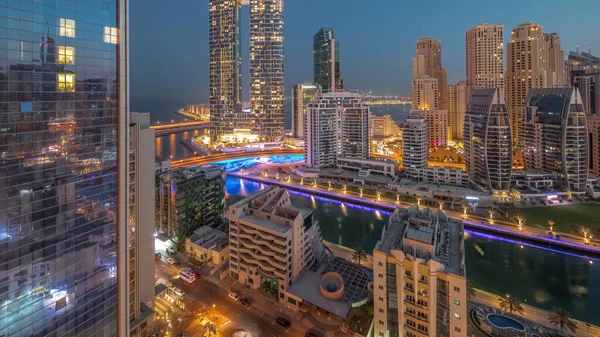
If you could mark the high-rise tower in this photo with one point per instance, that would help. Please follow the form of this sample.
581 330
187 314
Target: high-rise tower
429 62
485 56
266 65
326 60
64 172
225 65
527 67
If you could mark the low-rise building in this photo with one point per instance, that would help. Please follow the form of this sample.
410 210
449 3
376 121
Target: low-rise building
366 167
208 245
271 241
419 279
443 175
383 126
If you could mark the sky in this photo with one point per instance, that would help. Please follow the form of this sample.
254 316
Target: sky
169 40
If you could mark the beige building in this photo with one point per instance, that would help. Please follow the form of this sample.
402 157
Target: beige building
528 67
383 126
140 225
271 241
425 93
428 62
485 56
556 60
457 107
208 245
419 279
593 126
437 126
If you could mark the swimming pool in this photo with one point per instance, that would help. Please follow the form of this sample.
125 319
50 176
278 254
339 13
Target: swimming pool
504 322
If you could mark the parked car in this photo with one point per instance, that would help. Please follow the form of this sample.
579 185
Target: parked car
234 296
283 322
171 260
245 302
179 292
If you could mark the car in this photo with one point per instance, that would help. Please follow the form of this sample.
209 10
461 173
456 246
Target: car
179 292
283 322
171 260
170 286
234 296
245 302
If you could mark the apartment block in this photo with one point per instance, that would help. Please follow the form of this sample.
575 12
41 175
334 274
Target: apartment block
485 56
383 126
415 149
271 241
437 126
302 96
419 276
457 108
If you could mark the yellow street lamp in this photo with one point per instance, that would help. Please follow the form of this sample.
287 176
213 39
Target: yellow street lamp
361 192
397 199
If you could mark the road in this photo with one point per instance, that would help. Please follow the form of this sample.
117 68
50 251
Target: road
199 299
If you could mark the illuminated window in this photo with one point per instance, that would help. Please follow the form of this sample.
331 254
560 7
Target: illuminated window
66 82
66 55
67 27
110 35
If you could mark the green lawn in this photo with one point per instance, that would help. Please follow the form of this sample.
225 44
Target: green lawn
566 216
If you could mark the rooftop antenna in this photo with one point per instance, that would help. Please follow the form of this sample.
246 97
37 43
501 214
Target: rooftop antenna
577 49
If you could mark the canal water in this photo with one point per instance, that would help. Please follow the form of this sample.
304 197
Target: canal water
538 277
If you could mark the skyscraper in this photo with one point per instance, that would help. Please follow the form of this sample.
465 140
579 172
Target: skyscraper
457 107
488 143
485 56
266 65
555 137
414 145
326 60
556 59
437 126
302 96
527 67
225 66
425 93
589 88
337 125
64 150
428 62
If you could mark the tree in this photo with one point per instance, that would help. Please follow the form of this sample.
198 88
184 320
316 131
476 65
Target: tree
585 232
511 304
359 255
562 319
520 220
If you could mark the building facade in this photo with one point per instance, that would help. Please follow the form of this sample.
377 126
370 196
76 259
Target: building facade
140 227
428 62
487 141
593 125
528 67
584 62
188 199
337 125
437 126
271 241
302 96
64 144
556 60
425 93
267 65
326 60
457 108
555 136
383 126
589 88
485 56
419 285
225 75
415 148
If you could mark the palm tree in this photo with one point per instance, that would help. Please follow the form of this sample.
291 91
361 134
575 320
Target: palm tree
359 255
511 304
551 225
562 319
585 231
520 219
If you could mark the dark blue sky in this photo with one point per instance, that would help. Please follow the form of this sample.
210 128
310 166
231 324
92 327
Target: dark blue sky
169 39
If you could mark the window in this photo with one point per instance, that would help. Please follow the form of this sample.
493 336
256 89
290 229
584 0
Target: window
457 302
381 310
380 275
381 323
456 315
457 329
380 264
110 35
457 289
66 82
66 55
381 287
67 27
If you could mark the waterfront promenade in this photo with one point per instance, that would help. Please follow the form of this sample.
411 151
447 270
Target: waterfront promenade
499 227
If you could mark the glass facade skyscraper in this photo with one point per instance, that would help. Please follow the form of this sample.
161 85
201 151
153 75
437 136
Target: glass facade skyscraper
326 60
225 66
266 65
63 71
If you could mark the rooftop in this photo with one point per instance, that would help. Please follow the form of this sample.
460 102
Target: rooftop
341 173
424 186
210 238
356 286
210 172
425 234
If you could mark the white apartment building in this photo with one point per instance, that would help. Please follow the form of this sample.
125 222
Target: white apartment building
419 286
271 241
337 125
415 150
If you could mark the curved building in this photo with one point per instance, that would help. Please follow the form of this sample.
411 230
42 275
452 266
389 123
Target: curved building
555 136
488 141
